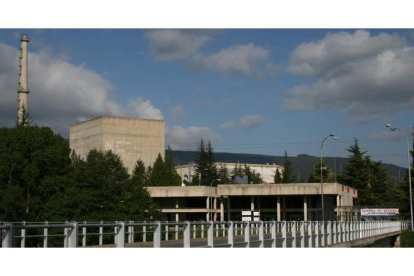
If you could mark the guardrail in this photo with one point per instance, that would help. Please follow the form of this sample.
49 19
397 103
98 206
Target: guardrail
192 234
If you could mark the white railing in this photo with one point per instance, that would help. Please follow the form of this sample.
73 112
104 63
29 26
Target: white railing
193 234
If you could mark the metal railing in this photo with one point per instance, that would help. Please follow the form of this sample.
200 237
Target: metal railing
192 234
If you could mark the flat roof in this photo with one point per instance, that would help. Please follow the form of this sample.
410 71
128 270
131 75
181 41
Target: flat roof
115 117
251 190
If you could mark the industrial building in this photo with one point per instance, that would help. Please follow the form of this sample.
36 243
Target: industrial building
295 201
130 138
267 171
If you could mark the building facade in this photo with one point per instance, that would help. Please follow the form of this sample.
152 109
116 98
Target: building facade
267 171
130 138
295 201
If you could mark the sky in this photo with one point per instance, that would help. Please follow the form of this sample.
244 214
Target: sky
263 91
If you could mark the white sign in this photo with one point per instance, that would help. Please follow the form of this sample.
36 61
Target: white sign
379 212
248 215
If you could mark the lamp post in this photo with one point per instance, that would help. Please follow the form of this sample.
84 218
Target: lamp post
409 169
332 136
211 197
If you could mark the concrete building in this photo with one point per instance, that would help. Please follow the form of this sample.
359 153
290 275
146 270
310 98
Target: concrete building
129 138
267 171
298 201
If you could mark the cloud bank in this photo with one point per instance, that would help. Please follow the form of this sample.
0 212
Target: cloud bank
364 75
181 138
186 45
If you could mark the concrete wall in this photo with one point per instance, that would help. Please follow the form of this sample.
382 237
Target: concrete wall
130 138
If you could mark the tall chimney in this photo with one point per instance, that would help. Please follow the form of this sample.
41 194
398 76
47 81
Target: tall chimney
22 109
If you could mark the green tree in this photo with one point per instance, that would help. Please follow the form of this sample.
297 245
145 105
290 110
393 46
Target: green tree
139 176
205 164
287 174
252 176
315 176
277 177
34 164
171 175
223 173
157 176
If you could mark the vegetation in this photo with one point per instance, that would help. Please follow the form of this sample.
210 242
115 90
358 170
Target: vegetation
205 165
278 177
39 180
407 239
315 176
287 174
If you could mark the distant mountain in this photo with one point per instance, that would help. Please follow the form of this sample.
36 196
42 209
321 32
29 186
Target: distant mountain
301 164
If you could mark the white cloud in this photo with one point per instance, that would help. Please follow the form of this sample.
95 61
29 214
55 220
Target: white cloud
246 122
336 50
248 59
180 138
249 121
374 76
144 109
60 93
174 44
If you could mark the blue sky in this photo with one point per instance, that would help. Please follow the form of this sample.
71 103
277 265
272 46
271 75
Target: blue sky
247 90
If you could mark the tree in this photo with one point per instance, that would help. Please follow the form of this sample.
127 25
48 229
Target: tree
139 176
287 174
157 176
252 176
315 176
205 165
171 175
278 176
34 164
223 173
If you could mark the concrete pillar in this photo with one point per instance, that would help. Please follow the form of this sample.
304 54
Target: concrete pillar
252 203
278 215
222 209
214 208
305 209
208 208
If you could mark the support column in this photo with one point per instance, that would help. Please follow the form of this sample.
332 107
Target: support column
214 208
252 203
208 208
278 209
305 209
221 209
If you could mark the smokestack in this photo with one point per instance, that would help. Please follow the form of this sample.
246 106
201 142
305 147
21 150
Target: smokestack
22 109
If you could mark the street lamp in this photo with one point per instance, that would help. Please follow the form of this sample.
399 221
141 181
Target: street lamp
211 197
409 169
332 136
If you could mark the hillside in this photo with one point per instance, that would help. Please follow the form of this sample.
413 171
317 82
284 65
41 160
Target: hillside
301 164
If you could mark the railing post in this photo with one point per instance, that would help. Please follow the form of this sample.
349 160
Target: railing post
8 235
120 234
101 233
166 232
194 231
131 232
202 231
317 233
157 234
66 235
261 234
247 234
230 234
23 235
73 235
310 225
284 234
144 233
210 234
187 234
335 232
273 233
176 232
84 235
343 231
45 235
302 234
293 231
328 234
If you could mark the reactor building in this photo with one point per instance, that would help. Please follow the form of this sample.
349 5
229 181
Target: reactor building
129 138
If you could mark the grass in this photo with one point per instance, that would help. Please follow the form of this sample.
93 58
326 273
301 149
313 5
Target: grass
407 239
